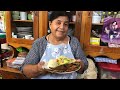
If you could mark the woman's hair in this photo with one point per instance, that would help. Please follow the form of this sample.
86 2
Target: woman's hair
56 14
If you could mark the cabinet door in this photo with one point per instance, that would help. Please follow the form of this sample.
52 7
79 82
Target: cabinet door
21 27
74 25
92 28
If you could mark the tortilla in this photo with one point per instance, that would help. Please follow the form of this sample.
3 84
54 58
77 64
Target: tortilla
63 64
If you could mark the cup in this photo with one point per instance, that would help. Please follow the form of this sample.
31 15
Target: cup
74 18
96 19
23 15
28 36
15 13
14 36
29 16
15 17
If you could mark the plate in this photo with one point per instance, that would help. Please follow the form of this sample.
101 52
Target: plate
67 72
62 72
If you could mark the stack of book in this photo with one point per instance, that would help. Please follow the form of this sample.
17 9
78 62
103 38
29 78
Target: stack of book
15 62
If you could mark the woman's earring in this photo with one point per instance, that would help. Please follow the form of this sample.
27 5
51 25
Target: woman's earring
49 30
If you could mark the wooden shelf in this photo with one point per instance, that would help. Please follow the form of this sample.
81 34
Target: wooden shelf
23 20
95 51
97 23
12 24
109 55
16 45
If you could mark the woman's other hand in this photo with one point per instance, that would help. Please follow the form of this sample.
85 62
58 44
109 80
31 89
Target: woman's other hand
40 67
82 65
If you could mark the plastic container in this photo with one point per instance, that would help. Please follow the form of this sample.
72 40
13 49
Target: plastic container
2 35
23 15
96 19
109 71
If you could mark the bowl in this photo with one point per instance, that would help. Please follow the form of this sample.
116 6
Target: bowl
21 34
24 29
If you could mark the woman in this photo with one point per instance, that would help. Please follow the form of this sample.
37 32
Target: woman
55 44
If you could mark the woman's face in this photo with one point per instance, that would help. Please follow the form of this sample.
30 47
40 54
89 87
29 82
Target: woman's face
59 26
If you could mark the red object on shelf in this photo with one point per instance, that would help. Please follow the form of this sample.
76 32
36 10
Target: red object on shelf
6 54
109 66
2 55
2 40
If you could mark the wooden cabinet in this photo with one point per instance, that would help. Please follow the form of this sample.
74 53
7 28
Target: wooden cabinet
95 50
20 28
16 38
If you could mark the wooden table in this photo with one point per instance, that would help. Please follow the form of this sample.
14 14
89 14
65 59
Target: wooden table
10 73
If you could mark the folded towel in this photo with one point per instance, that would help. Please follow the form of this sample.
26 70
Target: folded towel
108 60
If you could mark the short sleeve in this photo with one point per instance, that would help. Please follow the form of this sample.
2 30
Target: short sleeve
78 52
33 55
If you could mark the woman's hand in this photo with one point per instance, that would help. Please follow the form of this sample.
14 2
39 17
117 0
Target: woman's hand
40 66
82 65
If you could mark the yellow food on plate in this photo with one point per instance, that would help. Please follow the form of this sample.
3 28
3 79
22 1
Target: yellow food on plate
61 60
52 63
63 65
64 60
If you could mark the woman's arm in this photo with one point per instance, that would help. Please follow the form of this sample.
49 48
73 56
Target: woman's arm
79 54
81 66
31 64
32 71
